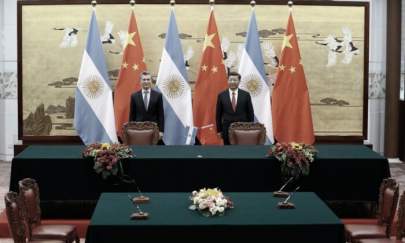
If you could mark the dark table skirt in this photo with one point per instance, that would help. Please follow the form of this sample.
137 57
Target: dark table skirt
340 172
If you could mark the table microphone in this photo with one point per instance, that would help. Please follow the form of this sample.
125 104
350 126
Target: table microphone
280 192
141 198
140 214
286 204
289 196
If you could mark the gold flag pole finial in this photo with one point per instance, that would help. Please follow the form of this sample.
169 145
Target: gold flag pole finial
94 3
252 4
172 3
211 3
290 5
132 3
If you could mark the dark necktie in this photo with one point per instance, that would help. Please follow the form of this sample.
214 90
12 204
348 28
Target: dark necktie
233 101
145 99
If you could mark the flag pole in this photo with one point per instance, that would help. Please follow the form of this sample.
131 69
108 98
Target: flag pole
290 6
211 3
172 3
94 4
253 4
132 3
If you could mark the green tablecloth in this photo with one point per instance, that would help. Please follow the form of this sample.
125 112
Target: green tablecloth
209 152
255 217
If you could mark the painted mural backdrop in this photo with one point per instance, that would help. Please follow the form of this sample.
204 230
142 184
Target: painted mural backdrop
331 40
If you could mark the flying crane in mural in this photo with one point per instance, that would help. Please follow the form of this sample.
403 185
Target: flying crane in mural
269 52
337 46
187 57
107 37
69 39
122 37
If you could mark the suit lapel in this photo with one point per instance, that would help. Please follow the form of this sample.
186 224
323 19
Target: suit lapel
228 99
238 100
151 97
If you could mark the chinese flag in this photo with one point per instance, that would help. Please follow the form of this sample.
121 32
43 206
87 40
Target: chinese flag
211 80
128 79
292 119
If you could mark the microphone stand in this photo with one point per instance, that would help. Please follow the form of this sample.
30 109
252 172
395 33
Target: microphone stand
139 214
127 179
286 204
280 192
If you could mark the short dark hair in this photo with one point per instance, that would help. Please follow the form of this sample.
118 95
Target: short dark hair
234 74
144 73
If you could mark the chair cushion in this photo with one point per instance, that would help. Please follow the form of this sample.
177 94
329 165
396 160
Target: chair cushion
247 133
46 241
15 217
361 231
53 231
31 206
359 221
388 205
385 240
140 137
247 137
141 133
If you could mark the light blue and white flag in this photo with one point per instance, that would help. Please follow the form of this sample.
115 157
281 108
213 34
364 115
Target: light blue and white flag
254 80
94 112
172 82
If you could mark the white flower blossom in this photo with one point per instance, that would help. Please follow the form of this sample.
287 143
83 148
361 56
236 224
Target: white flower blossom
213 210
211 200
202 206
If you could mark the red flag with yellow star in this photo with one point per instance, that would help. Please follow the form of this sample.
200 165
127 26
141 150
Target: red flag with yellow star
210 82
291 109
128 79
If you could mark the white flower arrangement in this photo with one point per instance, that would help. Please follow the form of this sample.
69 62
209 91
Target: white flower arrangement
210 202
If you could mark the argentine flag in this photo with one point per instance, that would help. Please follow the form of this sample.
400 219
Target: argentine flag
94 113
172 82
254 80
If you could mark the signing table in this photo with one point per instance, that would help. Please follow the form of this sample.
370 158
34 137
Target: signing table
255 218
69 186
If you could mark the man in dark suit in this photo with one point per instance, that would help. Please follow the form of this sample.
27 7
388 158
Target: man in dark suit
147 104
233 105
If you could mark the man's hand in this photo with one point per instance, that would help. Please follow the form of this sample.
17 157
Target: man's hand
160 135
219 135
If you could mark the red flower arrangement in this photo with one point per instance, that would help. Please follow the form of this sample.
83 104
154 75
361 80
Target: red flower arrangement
107 157
295 158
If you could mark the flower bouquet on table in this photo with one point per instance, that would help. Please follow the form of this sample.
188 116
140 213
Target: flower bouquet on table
122 151
210 202
106 163
107 157
295 158
91 150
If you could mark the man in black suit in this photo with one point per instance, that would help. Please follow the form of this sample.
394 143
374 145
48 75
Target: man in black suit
147 104
233 105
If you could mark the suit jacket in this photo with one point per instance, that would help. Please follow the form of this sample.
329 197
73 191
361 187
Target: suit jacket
154 112
225 114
